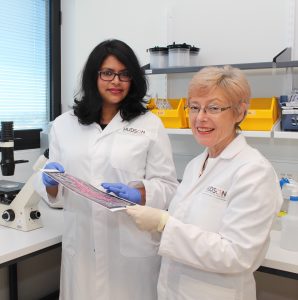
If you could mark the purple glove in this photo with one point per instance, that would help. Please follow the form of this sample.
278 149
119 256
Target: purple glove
123 191
47 180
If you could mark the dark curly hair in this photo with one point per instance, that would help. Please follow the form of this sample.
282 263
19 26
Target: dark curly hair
88 108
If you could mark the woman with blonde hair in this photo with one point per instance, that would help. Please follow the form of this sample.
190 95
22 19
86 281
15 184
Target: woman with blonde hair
216 232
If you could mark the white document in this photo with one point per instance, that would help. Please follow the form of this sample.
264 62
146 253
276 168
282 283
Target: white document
79 186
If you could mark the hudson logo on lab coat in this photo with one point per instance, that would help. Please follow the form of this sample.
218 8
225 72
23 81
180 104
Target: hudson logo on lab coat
216 192
131 130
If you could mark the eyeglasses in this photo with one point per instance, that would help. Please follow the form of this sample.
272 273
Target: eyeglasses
209 110
108 75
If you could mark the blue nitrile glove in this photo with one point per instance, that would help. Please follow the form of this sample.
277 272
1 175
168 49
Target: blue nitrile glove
47 180
123 191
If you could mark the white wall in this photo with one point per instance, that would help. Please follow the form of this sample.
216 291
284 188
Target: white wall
86 23
227 31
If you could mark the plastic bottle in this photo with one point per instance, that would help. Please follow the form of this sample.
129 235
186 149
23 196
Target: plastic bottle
178 55
158 57
289 232
289 187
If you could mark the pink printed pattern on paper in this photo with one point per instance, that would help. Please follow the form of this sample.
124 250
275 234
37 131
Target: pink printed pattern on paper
89 191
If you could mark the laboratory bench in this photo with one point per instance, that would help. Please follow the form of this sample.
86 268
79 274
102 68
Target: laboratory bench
17 245
279 261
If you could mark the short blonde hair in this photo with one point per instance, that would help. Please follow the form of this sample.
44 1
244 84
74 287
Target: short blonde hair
230 81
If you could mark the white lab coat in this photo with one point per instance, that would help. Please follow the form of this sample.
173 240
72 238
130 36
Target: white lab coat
218 232
104 255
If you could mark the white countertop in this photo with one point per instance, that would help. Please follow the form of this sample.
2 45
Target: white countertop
15 244
278 258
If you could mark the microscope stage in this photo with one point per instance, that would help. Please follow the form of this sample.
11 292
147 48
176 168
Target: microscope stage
8 190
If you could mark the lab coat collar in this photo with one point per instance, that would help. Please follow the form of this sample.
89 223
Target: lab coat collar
234 147
116 124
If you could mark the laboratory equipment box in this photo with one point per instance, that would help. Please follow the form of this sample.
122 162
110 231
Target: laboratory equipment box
289 112
289 120
172 115
261 115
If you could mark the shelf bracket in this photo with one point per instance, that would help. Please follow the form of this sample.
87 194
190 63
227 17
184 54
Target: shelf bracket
284 55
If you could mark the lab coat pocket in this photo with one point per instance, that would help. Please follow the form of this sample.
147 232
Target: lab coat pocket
202 207
129 153
190 288
69 233
134 242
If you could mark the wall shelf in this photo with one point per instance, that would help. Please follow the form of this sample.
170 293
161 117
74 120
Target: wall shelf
187 131
257 134
248 66
286 135
279 134
184 131
281 60
276 132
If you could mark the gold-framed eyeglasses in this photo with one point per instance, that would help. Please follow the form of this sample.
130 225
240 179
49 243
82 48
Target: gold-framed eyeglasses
209 110
108 75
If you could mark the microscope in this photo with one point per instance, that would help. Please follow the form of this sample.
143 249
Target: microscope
18 201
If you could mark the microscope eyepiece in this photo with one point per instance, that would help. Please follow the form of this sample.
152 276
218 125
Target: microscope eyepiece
7 131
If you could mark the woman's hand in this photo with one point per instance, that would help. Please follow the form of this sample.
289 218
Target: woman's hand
47 180
148 218
123 191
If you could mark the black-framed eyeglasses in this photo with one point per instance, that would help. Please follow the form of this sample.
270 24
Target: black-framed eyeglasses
209 110
108 75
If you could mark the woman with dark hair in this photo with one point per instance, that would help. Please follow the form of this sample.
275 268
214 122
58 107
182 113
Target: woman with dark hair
91 103
109 136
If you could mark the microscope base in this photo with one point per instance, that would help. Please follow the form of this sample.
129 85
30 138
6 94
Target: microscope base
22 213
